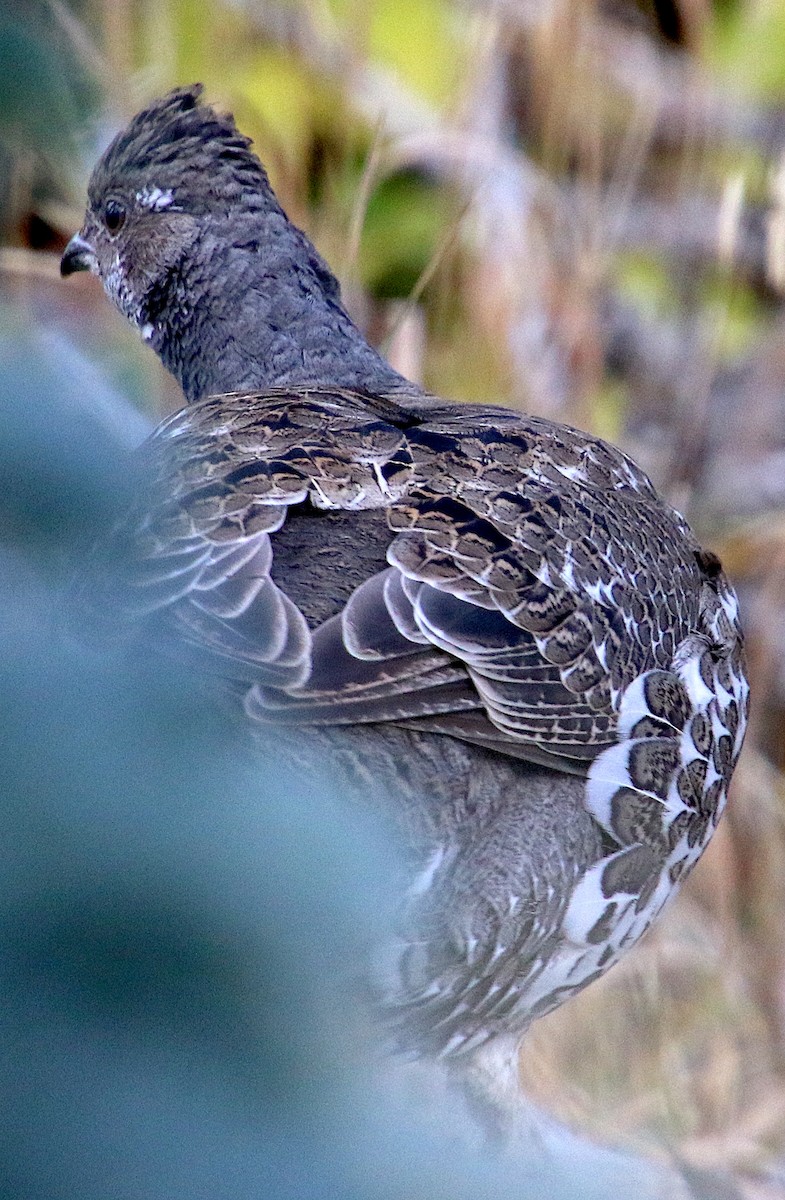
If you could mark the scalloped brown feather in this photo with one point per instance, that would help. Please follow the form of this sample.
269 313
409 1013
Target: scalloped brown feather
464 574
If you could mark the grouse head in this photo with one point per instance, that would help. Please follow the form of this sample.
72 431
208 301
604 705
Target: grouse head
190 243
153 192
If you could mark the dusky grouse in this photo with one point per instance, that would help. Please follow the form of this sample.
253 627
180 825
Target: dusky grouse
493 621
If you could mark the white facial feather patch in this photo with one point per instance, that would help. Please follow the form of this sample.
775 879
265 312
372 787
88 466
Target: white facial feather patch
155 198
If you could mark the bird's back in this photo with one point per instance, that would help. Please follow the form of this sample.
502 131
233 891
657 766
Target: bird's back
502 636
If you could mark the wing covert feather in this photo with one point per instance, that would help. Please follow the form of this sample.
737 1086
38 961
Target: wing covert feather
533 573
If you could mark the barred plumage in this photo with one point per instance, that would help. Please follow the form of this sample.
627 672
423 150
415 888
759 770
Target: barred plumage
531 596
490 621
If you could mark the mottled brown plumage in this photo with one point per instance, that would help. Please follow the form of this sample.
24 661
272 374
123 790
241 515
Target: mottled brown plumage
526 593
492 622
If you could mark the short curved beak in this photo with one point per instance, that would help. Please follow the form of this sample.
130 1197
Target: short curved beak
78 255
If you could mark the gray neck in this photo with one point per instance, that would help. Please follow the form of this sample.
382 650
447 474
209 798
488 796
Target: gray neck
253 308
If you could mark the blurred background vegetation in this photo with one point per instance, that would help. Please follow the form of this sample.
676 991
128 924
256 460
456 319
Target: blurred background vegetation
576 207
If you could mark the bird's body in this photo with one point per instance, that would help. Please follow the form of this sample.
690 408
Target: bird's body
519 653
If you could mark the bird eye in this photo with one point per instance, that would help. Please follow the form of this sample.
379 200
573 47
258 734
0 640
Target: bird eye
114 215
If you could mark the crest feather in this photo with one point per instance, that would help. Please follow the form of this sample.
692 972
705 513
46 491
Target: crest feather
178 142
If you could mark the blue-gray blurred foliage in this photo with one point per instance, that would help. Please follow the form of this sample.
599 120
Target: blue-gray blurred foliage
175 910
